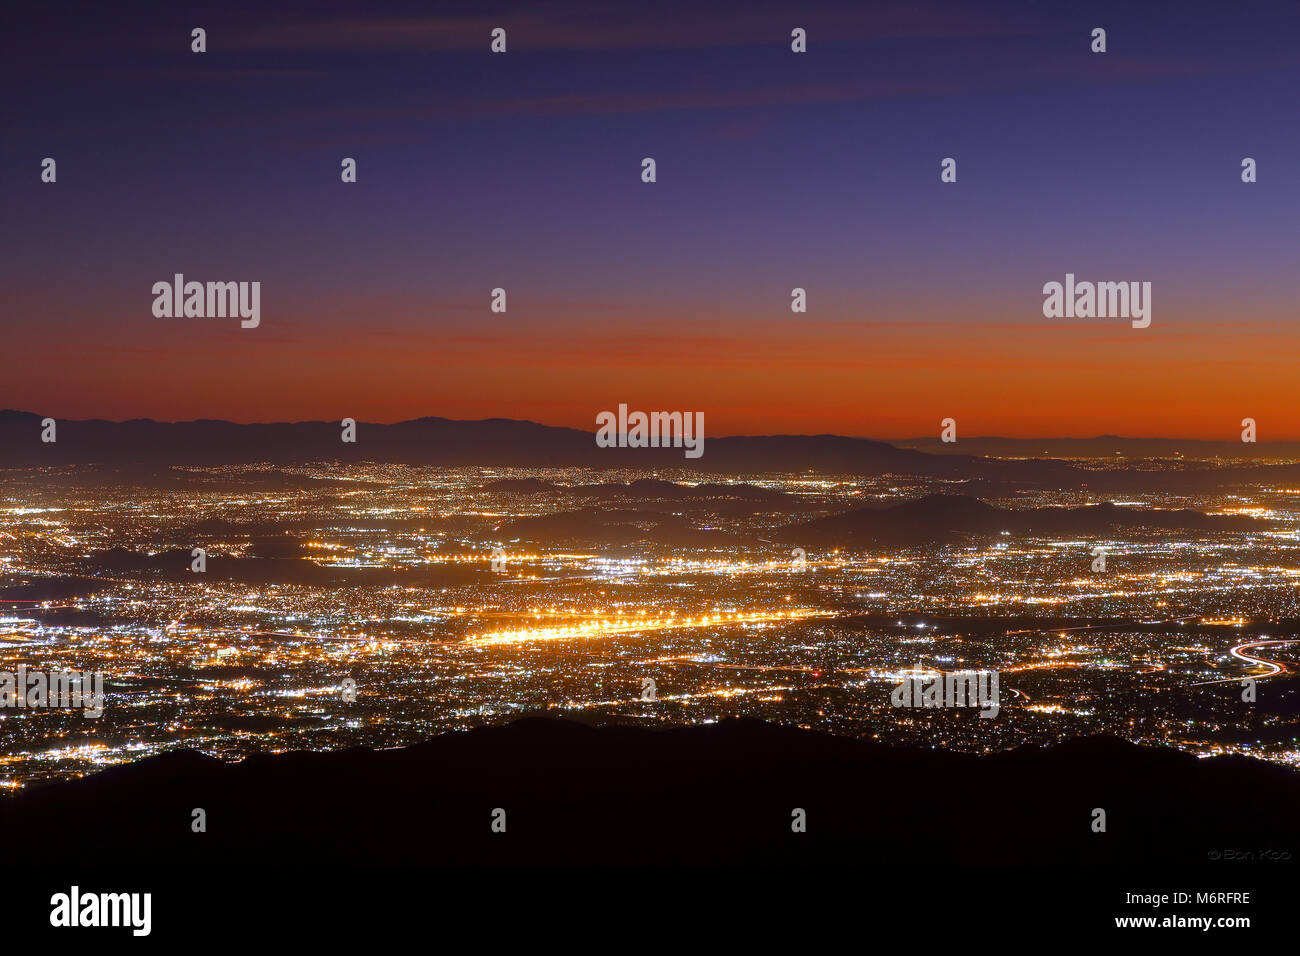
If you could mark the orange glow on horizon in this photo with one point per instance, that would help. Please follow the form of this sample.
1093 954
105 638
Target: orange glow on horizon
869 379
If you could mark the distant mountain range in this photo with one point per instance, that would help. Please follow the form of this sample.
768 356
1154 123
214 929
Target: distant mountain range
630 796
144 443
441 441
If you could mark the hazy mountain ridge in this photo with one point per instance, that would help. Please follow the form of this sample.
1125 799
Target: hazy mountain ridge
508 443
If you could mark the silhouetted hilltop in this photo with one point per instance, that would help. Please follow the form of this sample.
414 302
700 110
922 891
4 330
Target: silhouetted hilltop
723 793
940 518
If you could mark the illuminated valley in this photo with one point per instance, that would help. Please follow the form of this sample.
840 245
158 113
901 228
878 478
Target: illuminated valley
454 598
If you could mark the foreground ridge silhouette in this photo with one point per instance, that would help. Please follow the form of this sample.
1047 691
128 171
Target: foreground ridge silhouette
723 794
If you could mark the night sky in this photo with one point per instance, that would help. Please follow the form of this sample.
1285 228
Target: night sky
775 170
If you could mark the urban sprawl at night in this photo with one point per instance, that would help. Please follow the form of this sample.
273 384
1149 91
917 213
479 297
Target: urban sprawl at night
455 598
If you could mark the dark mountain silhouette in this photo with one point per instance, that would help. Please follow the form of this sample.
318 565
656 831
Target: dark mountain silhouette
19 587
440 441
941 518
630 796
140 444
